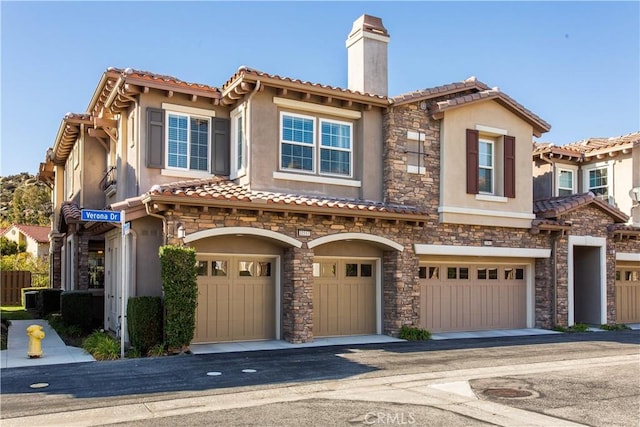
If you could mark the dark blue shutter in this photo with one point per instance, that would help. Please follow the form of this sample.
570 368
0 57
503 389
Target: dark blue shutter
155 138
220 149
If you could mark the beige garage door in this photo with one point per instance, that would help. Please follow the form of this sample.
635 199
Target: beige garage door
628 293
344 297
236 299
465 297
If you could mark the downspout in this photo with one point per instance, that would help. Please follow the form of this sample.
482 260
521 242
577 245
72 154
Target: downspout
164 222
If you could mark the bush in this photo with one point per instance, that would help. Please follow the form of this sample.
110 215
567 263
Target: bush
411 333
102 346
578 327
615 327
48 301
180 289
75 308
144 322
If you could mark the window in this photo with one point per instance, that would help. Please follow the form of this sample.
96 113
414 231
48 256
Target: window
300 152
485 166
238 147
598 182
187 142
565 182
416 153
491 162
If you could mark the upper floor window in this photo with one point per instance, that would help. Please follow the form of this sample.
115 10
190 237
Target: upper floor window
300 151
187 142
416 152
491 163
565 182
238 145
598 182
485 166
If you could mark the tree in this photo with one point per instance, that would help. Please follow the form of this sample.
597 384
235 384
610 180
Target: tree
31 205
9 247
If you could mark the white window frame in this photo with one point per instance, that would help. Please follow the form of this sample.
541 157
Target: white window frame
492 144
238 164
321 147
189 116
313 145
587 181
419 138
559 172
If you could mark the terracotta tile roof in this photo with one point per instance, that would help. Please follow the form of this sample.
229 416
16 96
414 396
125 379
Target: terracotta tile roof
70 212
556 206
500 97
419 95
246 72
39 233
589 147
221 189
133 76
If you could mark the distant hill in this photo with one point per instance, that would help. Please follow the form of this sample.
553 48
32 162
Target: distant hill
24 200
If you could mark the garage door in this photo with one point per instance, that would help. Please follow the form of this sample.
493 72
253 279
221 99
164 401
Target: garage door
461 297
627 293
344 297
236 299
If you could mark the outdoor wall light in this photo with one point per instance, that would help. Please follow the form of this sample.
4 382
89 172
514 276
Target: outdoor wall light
182 233
635 194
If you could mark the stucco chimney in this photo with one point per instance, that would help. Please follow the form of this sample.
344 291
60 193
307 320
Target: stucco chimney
367 56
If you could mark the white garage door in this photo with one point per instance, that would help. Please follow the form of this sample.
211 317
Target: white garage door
236 299
466 297
628 292
344 297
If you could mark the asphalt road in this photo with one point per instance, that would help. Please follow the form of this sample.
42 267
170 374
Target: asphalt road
584 379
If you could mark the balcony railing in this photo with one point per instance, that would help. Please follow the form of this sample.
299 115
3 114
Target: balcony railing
108 182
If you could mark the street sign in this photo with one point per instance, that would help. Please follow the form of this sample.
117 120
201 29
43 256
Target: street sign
100 216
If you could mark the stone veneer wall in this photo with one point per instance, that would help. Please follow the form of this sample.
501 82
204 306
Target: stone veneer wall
586 221
55 277
297 295
82 266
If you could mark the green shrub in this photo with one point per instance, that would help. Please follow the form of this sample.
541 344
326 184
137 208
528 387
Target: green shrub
144 322
48 301
157 350
178 265
614 327
411 333
578 327
75 308
102 346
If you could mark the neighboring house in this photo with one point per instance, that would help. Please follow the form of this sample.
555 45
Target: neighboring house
321 211
607 167
35 238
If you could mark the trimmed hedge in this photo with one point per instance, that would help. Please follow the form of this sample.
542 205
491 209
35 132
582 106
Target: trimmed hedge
144 322
76 309
48 301
180 290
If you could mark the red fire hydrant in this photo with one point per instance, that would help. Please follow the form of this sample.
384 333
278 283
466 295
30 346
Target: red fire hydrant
35 334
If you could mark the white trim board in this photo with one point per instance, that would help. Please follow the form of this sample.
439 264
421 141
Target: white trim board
627 256
487 251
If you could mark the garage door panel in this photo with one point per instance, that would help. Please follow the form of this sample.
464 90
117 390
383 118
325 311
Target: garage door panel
486 298
628 293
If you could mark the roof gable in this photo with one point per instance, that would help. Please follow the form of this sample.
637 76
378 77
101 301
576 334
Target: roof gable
556 206
38 233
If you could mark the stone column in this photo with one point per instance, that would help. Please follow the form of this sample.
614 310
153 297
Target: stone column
400 291
297 295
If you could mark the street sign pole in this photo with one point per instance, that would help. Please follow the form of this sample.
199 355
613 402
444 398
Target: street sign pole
123 317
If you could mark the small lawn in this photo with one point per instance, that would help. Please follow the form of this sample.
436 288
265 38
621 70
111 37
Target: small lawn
7 314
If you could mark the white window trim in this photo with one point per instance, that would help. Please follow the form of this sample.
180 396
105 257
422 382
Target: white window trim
316 108
183 109
599 165
317 179
491 168
421 138
321 147
189 116
573 179
238 171
491 198
483 212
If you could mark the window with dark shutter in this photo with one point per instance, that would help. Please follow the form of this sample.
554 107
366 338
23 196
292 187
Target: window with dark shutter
509 166
155 138
472 161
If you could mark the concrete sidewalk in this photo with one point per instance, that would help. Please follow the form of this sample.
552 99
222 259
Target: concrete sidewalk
54 350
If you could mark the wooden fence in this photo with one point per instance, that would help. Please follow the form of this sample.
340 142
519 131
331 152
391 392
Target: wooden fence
11 284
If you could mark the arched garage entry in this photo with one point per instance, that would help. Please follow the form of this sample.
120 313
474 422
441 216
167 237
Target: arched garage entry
347 283
238 283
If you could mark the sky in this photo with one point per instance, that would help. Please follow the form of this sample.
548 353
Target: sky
574 64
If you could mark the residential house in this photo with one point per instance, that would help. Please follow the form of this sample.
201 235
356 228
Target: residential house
35 238
315 210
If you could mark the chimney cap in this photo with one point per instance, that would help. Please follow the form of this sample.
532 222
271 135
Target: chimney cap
370 24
